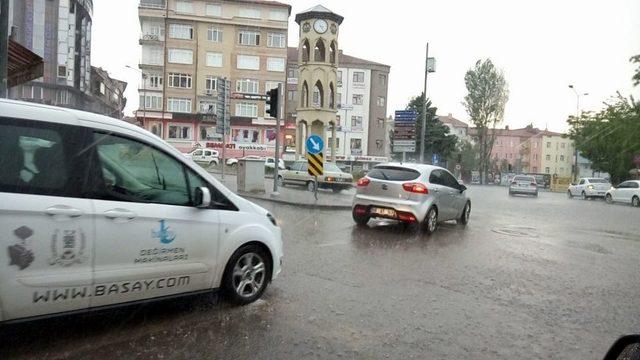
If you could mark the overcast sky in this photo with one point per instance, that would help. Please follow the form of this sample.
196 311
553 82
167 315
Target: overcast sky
542 46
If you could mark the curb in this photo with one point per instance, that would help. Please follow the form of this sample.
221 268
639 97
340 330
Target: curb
298 204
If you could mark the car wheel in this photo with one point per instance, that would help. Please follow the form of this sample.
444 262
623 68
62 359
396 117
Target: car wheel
431 221
608 199
311 186
280 181
466 212
569 194
635 201
247 275
584 196
361 220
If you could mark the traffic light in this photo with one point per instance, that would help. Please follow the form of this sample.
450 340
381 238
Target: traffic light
272 101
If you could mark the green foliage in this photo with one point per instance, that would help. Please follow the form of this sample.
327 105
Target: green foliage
466 154
485 102
358 174
437 137
610 137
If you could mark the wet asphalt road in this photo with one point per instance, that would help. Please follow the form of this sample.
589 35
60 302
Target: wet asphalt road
528 278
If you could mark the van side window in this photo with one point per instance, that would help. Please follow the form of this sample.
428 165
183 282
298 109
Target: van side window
136 172
36 159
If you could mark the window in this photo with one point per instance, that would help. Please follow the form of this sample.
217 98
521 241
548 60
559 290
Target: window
180 132
548 145
339 99
245 135
357 99
339 76
214 59
214 34
181 56
356 146
332 53
380 101
213 10
305 50
247 109
449 180
62 71
180 31
291 95
156 129
62 97
548 157
151 102
358 77
103 88
248 62
207 107
154 81
318 95
546 170
208 133
184 7
292 73
182 81
562 145
356 123
271 85
337 142
319 51
249 13
37 159
276 40
246 37
210 83
338 120
128 176
304 100
248 86
278 15
275 64
562 156
382 79
179 105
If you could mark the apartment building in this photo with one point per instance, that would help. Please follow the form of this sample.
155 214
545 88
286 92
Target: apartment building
188 46
557 154
456 127
361 99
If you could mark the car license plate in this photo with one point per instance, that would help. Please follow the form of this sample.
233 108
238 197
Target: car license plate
383 212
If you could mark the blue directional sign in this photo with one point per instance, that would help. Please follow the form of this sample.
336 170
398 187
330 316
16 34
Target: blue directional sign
435 159
315 144
409 116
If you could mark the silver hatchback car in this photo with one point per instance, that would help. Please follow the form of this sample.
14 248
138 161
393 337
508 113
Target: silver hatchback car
411 193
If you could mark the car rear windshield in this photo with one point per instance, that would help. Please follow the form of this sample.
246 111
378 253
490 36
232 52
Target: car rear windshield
598 181
524 178
393 173
331 167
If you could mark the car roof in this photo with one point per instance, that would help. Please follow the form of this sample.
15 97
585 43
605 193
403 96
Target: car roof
413 166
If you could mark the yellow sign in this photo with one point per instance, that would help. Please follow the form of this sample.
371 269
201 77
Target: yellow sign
315 165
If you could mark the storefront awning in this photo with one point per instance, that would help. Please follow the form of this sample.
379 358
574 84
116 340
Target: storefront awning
23 65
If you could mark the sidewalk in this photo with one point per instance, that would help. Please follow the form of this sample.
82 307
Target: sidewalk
293 195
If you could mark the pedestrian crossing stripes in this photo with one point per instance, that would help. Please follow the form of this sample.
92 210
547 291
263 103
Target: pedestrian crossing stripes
315 164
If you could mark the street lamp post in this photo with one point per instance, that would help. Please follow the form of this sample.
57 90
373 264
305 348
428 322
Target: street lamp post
144 94
429 66
575 148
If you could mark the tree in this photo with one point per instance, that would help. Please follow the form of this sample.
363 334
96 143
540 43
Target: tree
636 76
485 102
465 155
609 138
437 138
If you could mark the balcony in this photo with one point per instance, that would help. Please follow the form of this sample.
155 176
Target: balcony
151 39
152 8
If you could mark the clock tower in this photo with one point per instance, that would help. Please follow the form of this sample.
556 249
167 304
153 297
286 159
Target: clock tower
317 79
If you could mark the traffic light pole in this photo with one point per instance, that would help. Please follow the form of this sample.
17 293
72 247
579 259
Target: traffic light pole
276 156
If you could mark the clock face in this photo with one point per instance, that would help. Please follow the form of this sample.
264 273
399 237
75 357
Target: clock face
320 26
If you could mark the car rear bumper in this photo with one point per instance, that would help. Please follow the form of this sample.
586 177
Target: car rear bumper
417 209
595 193
523 190
335 185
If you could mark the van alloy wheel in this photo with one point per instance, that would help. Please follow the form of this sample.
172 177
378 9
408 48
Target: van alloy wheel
248 275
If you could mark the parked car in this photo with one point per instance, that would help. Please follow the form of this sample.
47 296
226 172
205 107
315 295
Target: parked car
270 161
523 184
627 192
333 178
204 156
411 193
589 188
111 214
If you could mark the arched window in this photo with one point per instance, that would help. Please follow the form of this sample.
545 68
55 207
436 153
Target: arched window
305 50
332 52
304 99
332 100
319 51
318 95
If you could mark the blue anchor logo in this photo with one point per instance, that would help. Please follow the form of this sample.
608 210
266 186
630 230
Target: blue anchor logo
165 234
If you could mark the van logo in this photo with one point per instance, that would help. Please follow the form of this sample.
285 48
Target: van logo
20 254
165 234
385 187
67 247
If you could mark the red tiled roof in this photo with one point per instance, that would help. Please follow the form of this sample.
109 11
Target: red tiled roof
523 132
453 121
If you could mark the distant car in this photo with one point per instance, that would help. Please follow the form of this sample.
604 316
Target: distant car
523 184
411 193
269 163
333 178
204 156
627 192
234 161
589 188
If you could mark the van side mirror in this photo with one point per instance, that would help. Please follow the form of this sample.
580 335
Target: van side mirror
203 198
462 188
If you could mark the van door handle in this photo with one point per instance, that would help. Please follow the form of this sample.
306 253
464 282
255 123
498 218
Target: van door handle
63 210
120 214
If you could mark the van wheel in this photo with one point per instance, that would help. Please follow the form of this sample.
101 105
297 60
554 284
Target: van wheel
311 186
431 221
635 201
569 194
608 199
280 181
466 212
584 196
247 275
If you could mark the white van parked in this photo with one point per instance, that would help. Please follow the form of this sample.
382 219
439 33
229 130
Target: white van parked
96 212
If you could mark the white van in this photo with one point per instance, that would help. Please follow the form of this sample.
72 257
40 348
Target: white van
96 212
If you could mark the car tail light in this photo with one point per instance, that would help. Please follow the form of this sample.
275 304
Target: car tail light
360 210
415 188
363 182
406 217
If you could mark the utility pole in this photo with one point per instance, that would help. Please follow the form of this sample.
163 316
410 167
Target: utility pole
276 156
575 148
4 46
423 133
